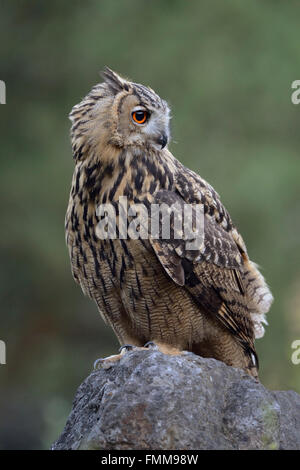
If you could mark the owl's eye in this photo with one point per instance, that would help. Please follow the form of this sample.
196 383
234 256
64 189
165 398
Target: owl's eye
140 116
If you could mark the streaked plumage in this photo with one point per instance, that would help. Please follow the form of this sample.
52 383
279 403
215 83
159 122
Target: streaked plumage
210 301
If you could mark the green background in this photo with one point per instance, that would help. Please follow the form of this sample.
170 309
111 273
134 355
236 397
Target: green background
226 69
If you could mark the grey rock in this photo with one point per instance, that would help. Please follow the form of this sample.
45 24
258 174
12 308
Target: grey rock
149 400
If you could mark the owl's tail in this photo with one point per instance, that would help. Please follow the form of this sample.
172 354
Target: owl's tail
260 297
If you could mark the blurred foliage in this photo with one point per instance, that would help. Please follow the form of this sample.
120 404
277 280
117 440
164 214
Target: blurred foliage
226 68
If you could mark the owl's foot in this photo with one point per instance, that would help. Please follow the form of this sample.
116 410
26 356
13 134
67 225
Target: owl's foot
151 345
163 347
108 362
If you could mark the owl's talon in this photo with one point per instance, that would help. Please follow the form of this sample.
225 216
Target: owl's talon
151 345
98 363
108 362
125 348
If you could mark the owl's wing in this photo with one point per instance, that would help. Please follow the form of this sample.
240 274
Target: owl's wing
213 270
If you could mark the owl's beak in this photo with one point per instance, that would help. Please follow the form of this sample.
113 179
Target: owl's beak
162 140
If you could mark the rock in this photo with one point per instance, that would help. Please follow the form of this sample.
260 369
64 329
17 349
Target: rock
149 400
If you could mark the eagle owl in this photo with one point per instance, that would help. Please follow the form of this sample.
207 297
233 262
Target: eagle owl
212 300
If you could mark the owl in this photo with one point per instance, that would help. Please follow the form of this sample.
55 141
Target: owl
153 291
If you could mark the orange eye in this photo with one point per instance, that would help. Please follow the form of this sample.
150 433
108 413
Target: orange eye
140 117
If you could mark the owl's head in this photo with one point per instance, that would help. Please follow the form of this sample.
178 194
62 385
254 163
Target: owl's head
120 113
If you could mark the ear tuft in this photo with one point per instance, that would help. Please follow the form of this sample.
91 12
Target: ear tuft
114 81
